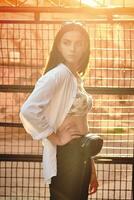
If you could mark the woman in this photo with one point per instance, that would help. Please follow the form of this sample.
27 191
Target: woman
56 112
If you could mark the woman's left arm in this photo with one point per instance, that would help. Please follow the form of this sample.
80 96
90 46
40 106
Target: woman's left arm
94 181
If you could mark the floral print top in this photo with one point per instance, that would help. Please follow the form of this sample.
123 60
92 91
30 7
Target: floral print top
82 103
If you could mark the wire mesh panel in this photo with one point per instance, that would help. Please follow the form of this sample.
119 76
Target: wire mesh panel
114 182
14 140
22 180
24 48
112 55
113 117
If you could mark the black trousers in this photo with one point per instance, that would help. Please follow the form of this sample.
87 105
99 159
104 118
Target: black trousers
73 172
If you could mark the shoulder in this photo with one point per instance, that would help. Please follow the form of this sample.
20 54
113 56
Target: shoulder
60 69
57 76
59 73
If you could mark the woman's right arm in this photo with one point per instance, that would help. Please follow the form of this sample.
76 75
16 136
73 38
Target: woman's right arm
32 112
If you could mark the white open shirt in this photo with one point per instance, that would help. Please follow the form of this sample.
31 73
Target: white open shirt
45 110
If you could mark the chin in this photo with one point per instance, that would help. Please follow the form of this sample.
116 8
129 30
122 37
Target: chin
72 62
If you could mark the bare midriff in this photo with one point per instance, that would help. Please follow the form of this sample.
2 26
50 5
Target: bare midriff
78 123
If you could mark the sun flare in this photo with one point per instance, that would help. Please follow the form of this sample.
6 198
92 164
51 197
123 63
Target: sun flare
91 3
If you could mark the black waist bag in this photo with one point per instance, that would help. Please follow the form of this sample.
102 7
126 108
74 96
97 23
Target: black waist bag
91 144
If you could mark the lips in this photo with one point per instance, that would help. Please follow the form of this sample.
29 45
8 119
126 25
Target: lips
71 55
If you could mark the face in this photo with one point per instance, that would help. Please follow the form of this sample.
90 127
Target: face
72 46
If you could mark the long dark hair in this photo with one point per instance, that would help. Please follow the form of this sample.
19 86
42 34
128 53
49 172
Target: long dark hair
56 58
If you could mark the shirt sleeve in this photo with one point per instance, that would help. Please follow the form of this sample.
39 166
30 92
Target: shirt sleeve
32 112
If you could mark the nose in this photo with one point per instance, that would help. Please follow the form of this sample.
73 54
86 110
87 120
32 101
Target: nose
72 47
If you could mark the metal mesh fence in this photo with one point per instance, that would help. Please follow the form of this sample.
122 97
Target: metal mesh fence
23 180
114 182
24 49
112 116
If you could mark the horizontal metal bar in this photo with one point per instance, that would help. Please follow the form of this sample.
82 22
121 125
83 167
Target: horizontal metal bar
91 21
38 158
12 21
20 158
16 88
114 160
10 124
88 10
110 91
108 14
91 90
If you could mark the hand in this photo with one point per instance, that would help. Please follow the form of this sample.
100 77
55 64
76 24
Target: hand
68 133
94 182
93 185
